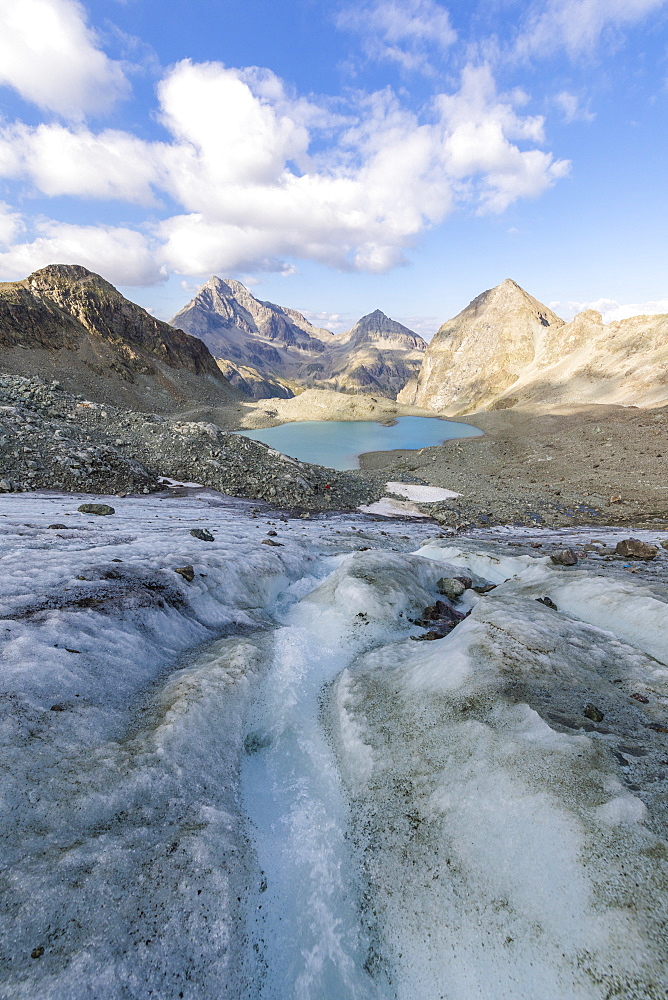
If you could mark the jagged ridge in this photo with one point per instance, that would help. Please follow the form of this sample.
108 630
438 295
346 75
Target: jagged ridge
278 343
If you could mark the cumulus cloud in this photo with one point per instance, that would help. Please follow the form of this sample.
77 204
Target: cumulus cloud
251 191
51 57
577 25
336 322
402 32
62 161
479 129
611 310
122 256
11 225
572 109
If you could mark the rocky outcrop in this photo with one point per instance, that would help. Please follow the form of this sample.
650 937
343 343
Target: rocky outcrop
625 362
507 349
67 323
377 355
253 383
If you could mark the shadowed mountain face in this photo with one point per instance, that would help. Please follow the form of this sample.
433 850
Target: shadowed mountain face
66 323
507 349
264 346
245 332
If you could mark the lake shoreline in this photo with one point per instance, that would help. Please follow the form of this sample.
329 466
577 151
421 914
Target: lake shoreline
589 465
339 444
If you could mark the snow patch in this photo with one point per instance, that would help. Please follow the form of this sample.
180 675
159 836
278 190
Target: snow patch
421 494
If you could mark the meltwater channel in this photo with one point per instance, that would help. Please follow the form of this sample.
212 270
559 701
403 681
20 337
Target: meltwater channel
305 931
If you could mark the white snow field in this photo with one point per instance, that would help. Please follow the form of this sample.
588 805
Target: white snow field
255 784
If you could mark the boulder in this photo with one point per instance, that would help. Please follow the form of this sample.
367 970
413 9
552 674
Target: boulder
202 534
593 713
564 557
548 602
633 548
450 587
96 508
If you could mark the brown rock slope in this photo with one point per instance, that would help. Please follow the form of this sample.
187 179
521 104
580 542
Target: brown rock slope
507 349
66 323
625 362
479 354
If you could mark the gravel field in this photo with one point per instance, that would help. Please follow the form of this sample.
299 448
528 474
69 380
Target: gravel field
50 439
583 465
587 465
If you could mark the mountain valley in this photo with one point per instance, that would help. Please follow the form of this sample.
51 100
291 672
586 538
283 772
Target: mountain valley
270 350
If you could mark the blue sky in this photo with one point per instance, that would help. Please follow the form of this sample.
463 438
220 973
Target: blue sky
341 157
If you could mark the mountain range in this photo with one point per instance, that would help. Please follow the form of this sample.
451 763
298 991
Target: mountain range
505 349
270 350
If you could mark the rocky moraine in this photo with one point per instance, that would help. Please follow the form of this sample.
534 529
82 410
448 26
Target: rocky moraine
50 439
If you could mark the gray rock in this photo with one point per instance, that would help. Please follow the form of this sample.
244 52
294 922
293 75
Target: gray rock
593 713
633 548
564 557
96 508
450 587
202 534
270 541
187 572
548 602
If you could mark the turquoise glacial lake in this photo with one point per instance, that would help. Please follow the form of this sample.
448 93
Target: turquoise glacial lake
338 444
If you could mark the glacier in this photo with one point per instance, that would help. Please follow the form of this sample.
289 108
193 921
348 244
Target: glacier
258 785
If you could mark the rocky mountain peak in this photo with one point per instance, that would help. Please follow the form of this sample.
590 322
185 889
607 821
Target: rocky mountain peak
479 354
377 328
54 273
506 300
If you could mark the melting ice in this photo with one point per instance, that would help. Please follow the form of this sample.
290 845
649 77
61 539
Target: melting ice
257 785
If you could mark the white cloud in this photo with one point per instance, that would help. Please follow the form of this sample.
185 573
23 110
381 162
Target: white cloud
120 255
51 57
611 310
571 108
63 161
336 322
11 225
251 192
577 25
478 129
402 32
